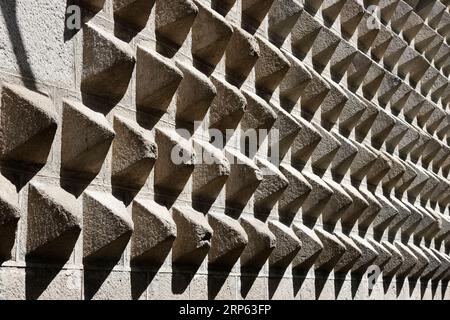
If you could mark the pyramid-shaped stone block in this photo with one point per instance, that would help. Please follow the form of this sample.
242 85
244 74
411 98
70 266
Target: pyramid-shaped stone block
228 241
288 245
271 67
28 123
174 19
86 139
107 227
351 255
256 10
261 243
319 196
193 236
154 232
108 63
211 173
157 79
368 254
310 249
241 54
282 17
228 107
176 158
245 177
9 217
333 250
195 94
54 223
258 114
134 13
296 192
210 35
272 186
133 153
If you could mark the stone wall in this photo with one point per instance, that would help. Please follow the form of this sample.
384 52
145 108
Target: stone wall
92 205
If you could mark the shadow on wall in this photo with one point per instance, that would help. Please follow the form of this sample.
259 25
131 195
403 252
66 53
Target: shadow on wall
9 13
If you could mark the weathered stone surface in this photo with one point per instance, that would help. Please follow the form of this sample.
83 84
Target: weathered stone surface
228 106
319 196
211 171
356 209
271 67
305 142
228 241
288 245
28 123
259 115
133 12
314 93
9 217
287 128
422 261
174 19
210 35
333 250
261 243
256 10
295 80
244 178
339 202
368 254
326 149
384 254
369 215
86 138
133 153
193 236
241 54
153 101
386 215
54 223
395 262
351 255
282 17
410 260
108 64
195 94
311 247
433 265
296 192
157 79
272 186
344 156
176 158
154 232
107 227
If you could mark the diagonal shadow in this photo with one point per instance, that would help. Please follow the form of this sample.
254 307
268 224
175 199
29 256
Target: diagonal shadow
9 9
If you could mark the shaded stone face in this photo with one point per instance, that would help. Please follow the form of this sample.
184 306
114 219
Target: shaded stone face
246 149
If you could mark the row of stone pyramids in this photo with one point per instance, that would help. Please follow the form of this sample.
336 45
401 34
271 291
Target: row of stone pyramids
375 127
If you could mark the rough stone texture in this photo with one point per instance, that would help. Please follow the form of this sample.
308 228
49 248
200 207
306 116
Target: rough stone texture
54 223
157 79
115 182
133 153
28 123
107 64
193 236
86 138
107 227
10 215
154 234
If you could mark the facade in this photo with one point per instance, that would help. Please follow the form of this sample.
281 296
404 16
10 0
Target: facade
224 149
